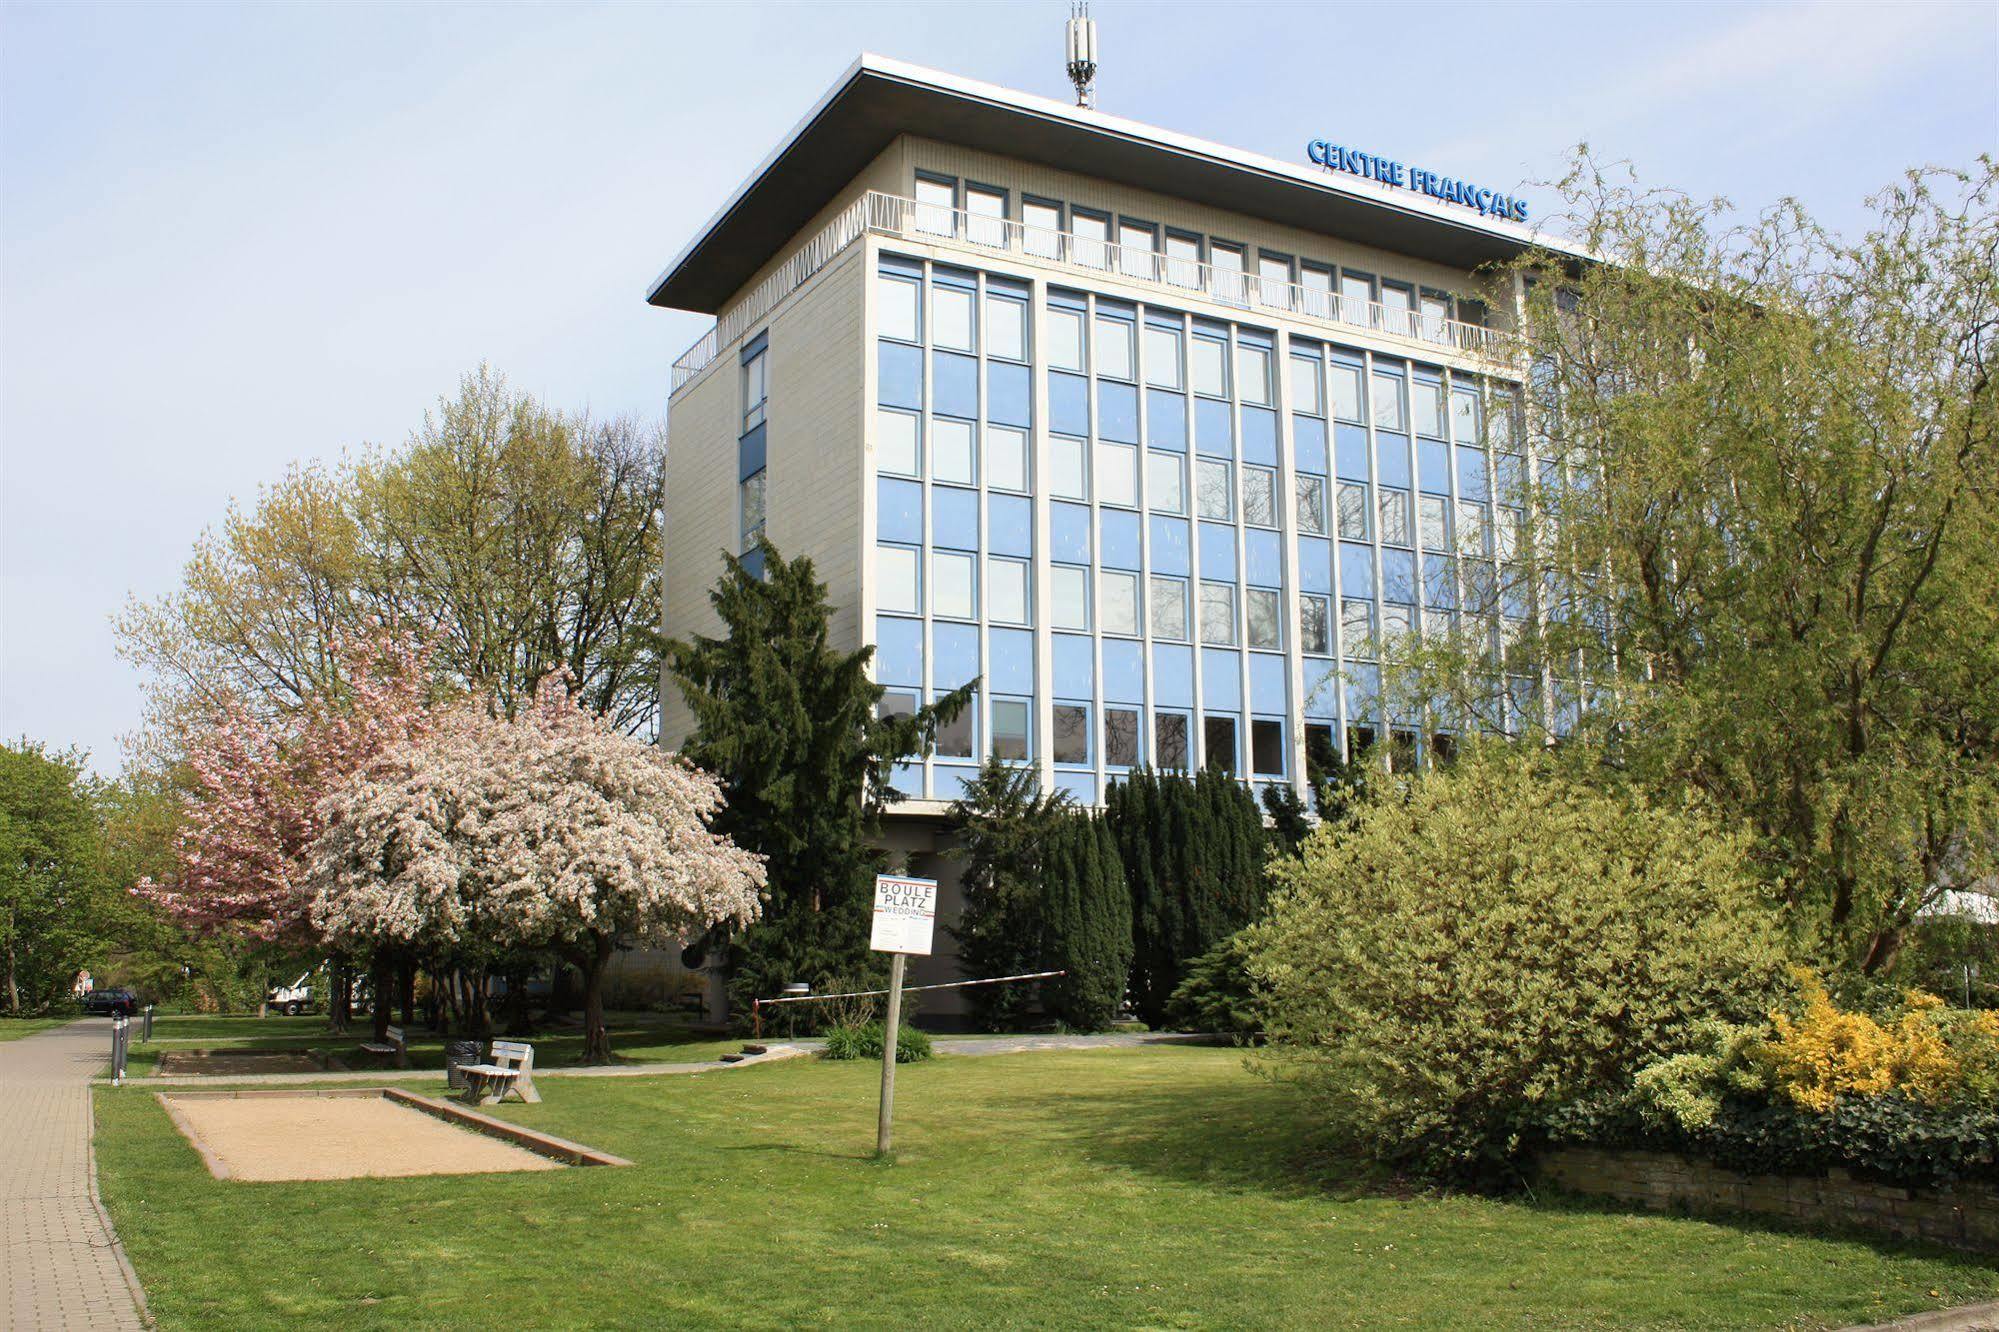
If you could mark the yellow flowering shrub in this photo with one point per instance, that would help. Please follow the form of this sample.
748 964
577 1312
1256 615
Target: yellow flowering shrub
1827 1052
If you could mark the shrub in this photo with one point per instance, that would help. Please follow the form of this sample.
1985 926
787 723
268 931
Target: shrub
1495 940
864 1041
1003 825
1086 916
1827 1052
1218 995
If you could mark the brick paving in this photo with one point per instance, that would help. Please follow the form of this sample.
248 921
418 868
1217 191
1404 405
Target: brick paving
60 1262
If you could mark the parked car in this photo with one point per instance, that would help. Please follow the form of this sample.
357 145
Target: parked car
114 1002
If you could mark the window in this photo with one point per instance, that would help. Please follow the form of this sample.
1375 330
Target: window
1114 339
1435 512
1346 391
1311 504
1117 605
1314 625
1273 272
1436 313
895 572
1218 614
1317 280
1259 497
1117 475
1068 469
1305 394
1428 400
1183 259
1071 734
954 738
1226 262
1009 728
1465 416
1356 295
1006 328
951 593
1138 242
953 452
1169 740
1069 589
756 388
1398 304
1006 591
895 443
1219 732
752 508
1388 413
1266 746
1471 528
1165 482
896 703
1092 233
1162 357
1211 490
1394 517
1252 372
1211 371
1006 458
1398 628
1169 607
935 202
1265 612
1043 223
985 221
1357 627
1120 737
1353 511
899 301
951 318
1065 339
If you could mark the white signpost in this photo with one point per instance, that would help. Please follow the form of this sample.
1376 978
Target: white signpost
905 919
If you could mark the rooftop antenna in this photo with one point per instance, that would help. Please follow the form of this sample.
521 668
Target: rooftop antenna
1082 46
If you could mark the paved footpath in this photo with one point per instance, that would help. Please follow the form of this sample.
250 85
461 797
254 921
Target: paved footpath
60 1262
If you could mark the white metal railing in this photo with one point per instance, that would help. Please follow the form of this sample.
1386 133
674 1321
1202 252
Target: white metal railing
894 215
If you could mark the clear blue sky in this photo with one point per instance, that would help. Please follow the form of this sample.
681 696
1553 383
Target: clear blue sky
235 237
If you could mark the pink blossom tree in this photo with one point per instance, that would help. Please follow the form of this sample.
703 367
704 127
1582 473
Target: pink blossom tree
550 830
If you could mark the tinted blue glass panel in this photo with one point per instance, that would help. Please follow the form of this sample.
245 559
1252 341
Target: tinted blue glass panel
1392 457
1166 420
1169 546
900 370
1011 669
955 660
1308 437
1117 412
1214 432
1363 684
956 392
1075 668
907 778
1439 588
1012 525
1356 570
1263 558
1068 404
949 780
1471 473
1268 688
1069 533
1124 671
1513 596
1433 466
901 511
1119 536
1315 564
1398 577
753 564
954 277
957 518
898 650
1218 552
1322 686
1172 675
895 263
1259 436
750 454
1221 680
1350 451
1008 394
1081 786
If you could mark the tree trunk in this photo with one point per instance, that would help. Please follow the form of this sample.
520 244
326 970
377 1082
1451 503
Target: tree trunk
337 1011
381 978
13 986
593 960
406 990
1882 950
518 1023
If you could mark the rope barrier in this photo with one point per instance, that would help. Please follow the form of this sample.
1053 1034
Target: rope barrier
757 1005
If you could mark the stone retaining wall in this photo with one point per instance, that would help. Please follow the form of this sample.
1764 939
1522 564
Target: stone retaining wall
1964 1217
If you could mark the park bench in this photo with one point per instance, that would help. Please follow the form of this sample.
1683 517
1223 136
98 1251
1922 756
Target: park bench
391 1044
510 1069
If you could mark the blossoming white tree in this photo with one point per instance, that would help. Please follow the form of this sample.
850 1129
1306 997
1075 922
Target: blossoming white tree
550 830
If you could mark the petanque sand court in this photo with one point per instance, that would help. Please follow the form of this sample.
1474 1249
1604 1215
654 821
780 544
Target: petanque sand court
309 1136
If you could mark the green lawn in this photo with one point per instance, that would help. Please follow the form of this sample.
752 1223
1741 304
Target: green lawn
13 1029
1151 1187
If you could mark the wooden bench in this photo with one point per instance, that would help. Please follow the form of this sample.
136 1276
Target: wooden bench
511 1069
392 1044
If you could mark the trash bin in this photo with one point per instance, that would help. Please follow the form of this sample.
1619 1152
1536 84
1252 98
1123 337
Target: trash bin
456 1053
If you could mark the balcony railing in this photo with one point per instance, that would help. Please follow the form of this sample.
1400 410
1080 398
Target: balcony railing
892 215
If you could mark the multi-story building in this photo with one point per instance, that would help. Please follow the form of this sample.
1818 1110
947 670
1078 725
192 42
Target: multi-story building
1163 443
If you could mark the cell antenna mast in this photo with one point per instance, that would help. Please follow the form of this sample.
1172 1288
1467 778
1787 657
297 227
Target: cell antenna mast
1082 46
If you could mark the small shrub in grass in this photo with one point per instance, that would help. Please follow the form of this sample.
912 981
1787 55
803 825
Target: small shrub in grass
863 1040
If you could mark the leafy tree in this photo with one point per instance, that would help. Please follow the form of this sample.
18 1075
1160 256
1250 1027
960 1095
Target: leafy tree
1218 995
1003 825
790 727
55 894
549 830
1086 922
1499 939
1193 852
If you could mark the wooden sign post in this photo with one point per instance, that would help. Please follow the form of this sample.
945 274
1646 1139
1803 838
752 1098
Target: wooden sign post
905 918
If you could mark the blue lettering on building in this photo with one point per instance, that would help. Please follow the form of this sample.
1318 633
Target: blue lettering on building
1369 166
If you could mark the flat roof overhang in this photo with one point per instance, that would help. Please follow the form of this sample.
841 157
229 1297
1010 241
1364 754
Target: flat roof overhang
878 99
